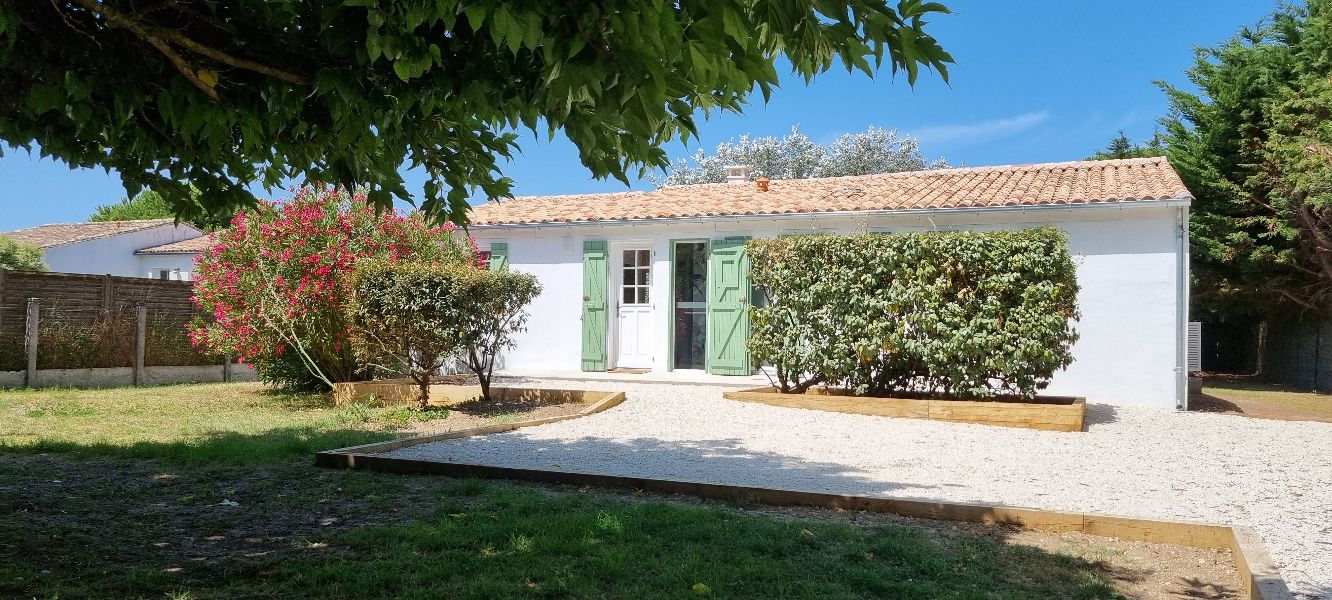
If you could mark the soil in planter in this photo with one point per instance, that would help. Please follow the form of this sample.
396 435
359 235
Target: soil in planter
480 413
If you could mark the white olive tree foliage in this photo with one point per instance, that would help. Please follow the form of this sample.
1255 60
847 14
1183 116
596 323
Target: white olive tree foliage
796 156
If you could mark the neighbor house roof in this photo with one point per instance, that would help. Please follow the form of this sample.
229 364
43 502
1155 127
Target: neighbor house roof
59 234
1082 182
191 246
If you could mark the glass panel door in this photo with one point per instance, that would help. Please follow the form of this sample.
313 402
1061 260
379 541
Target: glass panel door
637 271
690 289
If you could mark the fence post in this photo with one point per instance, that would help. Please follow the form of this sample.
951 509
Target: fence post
226 367
107 293
30 342
140 333
2 298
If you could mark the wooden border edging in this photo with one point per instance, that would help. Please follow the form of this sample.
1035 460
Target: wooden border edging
1069 414
1258 574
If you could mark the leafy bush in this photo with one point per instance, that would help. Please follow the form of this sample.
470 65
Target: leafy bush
413 314
957 314
424 314
499 314
277 281
20 257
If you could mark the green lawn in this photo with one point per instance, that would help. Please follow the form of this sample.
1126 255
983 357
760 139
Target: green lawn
179 422
207 492
1274 398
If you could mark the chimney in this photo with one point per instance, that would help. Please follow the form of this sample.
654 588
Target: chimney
737 173
762 184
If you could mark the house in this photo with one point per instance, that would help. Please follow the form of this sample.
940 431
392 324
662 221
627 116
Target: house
153 248
656 280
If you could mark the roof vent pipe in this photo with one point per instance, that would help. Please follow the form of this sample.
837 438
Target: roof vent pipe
737 173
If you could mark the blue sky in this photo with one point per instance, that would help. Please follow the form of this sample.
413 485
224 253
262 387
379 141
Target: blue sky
1035 81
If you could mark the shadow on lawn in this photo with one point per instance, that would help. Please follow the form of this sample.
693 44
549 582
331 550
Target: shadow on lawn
1200 402
285 443
106 529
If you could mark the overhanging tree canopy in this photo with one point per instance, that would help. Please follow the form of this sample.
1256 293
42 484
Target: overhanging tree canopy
223 94
1253 147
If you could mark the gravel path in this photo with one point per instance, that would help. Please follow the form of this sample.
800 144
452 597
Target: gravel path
1274 476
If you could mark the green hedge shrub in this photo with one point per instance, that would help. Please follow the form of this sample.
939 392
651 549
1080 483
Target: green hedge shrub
951 314
420 315
410 316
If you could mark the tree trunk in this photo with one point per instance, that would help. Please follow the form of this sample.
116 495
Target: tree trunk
482 369
484 380
423 392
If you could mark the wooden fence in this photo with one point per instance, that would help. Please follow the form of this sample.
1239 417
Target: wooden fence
85 298
94 321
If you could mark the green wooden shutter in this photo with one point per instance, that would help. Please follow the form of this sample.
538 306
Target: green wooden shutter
728 307
499 256
595 271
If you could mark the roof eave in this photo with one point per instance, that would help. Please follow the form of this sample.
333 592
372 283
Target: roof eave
1182 199
116 233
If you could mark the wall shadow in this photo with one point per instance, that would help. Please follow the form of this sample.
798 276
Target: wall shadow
1200 402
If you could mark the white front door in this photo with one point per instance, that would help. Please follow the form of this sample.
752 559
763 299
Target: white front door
633 323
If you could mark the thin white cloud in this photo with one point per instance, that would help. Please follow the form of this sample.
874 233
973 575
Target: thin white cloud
982 130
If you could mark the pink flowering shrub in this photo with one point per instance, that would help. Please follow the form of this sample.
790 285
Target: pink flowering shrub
276 282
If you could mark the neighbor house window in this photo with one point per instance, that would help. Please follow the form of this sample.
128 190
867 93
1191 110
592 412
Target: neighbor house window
170 275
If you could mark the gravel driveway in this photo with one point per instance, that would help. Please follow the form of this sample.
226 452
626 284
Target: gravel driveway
1274 476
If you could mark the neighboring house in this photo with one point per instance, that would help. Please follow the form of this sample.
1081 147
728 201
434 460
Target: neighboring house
175 258
125 248
657 280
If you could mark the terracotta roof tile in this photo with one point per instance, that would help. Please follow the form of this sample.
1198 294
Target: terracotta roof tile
1082 182
59 234
191 246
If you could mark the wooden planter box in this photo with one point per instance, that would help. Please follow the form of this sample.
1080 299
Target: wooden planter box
402 392
1049 413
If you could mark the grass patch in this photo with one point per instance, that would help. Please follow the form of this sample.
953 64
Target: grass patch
1275 396
99 528
225 421
205 491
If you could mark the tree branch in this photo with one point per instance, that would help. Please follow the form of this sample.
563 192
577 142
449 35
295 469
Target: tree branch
239 63
159 38
184 67
1287 294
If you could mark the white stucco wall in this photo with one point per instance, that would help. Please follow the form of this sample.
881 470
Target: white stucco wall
181 265
1129 271
114 255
